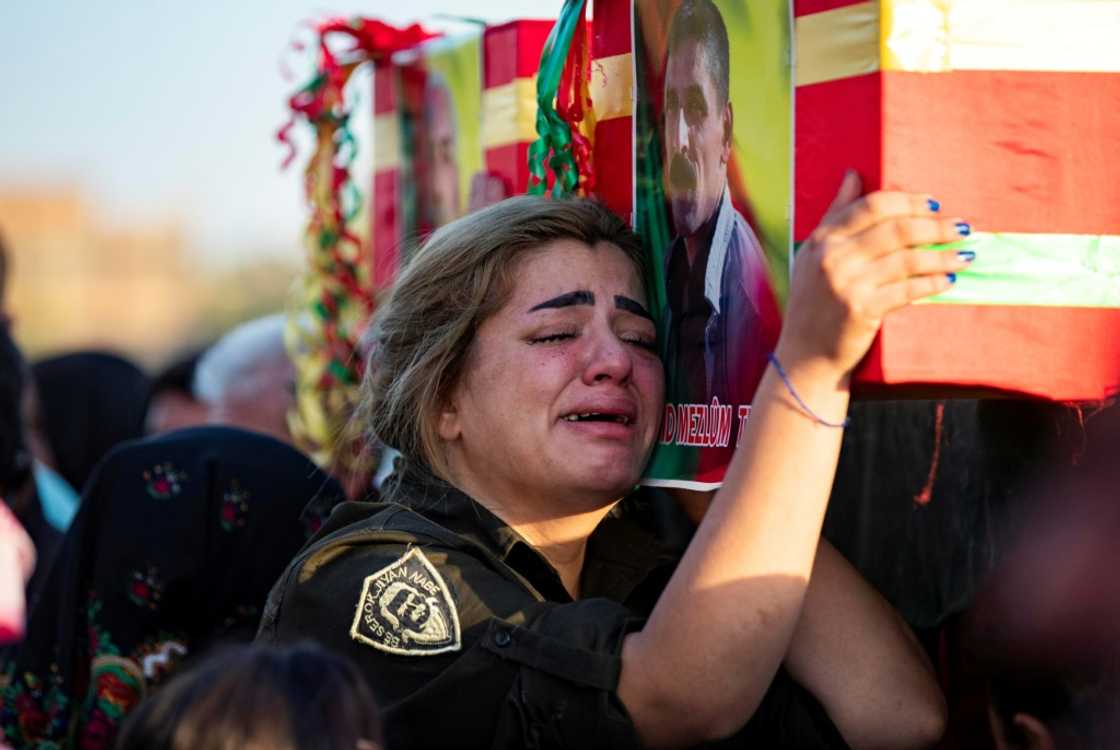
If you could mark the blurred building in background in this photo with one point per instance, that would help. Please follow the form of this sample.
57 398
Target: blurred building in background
78 281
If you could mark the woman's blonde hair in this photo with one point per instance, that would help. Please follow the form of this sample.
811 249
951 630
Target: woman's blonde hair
462 275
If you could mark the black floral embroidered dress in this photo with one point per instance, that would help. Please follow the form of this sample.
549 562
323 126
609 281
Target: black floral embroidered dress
176 545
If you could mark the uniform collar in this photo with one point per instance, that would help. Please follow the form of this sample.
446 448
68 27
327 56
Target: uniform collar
418 488
620 554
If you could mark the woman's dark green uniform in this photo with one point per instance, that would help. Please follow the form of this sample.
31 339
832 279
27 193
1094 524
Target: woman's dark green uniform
467 636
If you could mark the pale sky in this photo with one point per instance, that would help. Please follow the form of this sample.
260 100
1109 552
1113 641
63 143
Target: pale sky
161 109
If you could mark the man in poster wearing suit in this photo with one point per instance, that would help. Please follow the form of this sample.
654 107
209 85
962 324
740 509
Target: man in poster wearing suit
723 315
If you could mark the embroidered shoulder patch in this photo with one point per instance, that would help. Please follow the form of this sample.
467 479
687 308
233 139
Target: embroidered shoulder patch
406 608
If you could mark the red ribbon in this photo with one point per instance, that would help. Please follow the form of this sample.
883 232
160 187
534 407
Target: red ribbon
373 41
571 98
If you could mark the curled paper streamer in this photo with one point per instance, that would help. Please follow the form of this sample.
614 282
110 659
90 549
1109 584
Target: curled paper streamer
335 297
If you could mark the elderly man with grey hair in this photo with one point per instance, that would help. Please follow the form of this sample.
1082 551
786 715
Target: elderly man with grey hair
247 379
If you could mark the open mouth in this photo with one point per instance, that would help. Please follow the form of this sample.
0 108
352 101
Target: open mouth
594 416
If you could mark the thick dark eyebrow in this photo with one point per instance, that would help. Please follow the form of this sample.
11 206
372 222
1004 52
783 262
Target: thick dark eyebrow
580 297
631 306
584 297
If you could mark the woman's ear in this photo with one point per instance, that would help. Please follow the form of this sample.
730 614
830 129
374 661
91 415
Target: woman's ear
728 122
1034 733
449 427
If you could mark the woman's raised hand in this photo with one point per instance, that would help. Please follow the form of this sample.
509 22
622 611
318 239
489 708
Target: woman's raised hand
861 263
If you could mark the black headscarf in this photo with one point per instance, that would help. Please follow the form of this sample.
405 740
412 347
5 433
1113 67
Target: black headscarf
15 461
89 402
177 542
16 487
178 374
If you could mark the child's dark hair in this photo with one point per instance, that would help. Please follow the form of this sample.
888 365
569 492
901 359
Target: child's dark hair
298 697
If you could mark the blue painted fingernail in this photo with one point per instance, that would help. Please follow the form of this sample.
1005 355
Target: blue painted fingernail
963 229
966 255
952 277
933 205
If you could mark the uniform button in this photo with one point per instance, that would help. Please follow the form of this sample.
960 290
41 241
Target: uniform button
502 638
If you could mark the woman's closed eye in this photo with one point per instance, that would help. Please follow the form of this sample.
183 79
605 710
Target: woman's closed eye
551 338
649 343
642 341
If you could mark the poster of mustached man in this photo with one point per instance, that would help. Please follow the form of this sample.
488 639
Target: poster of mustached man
713 202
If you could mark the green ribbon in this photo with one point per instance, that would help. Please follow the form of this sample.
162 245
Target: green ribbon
555 135
341 372
327 239
651 222
346 147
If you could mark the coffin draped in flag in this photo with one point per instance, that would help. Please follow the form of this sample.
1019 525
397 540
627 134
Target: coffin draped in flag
1009 114
453 122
